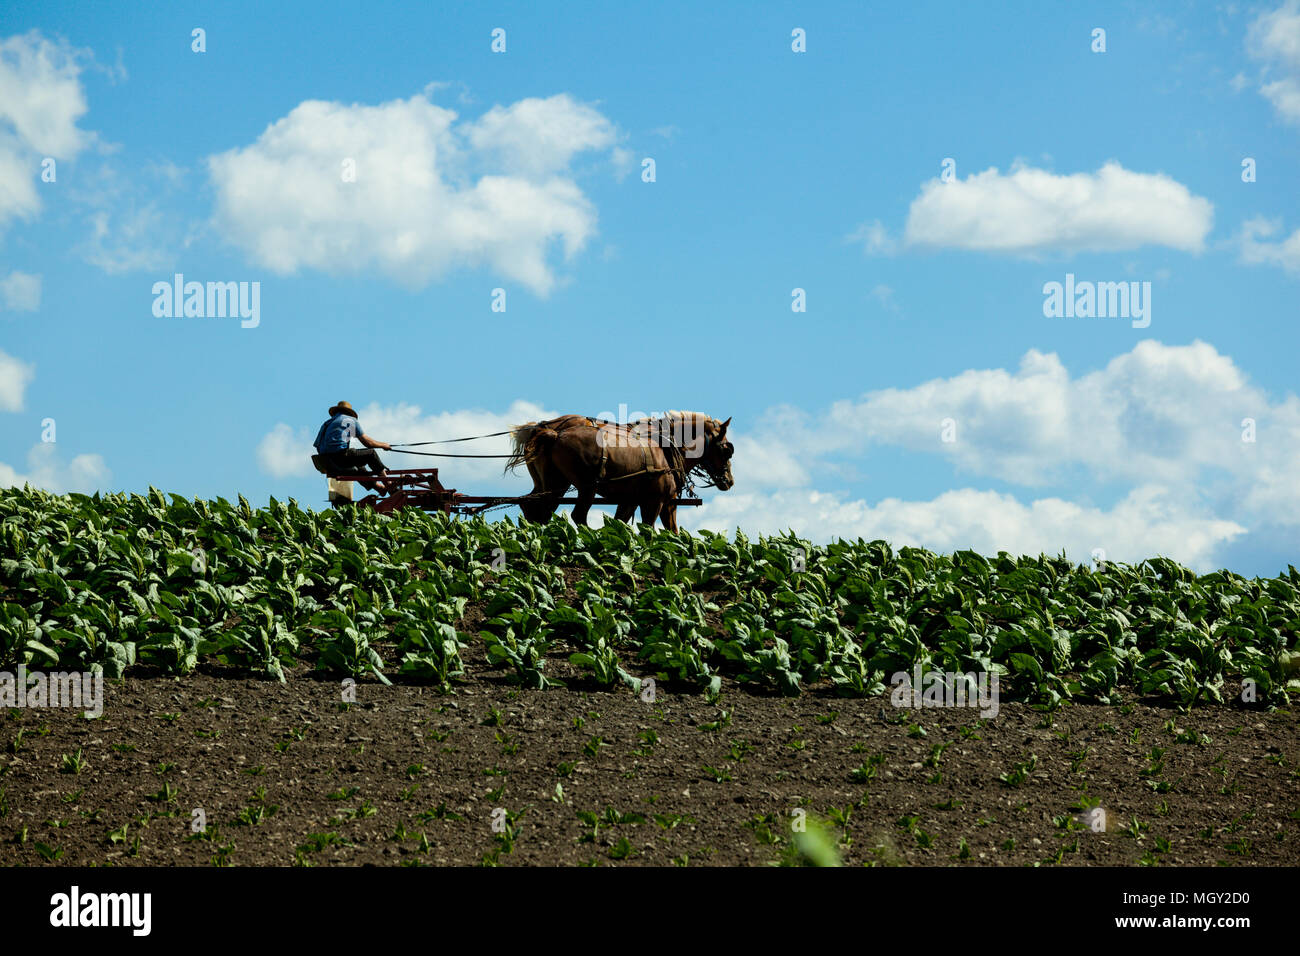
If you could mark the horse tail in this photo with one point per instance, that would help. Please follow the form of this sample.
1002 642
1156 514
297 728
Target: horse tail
529 441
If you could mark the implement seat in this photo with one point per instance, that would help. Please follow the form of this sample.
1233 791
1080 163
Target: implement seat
340 492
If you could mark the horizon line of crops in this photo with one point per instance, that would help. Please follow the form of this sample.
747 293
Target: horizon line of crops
116 581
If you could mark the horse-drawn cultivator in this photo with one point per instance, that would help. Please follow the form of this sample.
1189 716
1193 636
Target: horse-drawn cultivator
420 488
650 464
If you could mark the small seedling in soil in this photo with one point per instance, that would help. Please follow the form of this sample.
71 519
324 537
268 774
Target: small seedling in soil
1020 772
72 763
166 795
724 718
867 771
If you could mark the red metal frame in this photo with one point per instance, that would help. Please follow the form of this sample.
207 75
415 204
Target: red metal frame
420 488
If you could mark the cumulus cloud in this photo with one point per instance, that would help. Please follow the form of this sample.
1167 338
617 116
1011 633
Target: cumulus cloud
45 469
1274 39
1256 250
430 194
1149 521
538 138
286 451
41 100
1151 413
1030 211
20 292
1200 455
15 376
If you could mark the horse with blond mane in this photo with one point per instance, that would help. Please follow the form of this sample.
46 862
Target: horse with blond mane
642 464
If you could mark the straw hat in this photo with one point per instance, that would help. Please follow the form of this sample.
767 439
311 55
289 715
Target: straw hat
345 408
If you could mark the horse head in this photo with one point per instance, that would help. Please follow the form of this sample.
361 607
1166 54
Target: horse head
716 459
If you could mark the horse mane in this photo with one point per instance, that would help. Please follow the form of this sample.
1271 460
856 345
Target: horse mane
679 415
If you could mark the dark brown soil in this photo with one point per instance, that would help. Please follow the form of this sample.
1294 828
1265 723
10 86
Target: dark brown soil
288 773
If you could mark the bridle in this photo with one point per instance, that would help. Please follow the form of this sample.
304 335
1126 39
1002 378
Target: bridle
709 480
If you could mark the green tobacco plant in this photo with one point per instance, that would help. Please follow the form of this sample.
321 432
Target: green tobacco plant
106 583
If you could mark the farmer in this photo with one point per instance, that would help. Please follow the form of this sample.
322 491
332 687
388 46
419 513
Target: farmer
333 443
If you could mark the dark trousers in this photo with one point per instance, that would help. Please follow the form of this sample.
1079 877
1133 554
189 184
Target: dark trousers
354 461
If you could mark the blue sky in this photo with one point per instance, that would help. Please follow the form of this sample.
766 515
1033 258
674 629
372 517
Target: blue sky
775 170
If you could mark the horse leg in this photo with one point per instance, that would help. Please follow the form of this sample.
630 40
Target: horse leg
668 515
625 511
585 497
650 509
530 508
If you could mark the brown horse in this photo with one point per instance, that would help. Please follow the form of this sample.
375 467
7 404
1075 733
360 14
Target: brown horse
703 443
634 465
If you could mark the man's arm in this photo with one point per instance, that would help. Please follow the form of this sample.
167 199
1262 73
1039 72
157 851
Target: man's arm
374 443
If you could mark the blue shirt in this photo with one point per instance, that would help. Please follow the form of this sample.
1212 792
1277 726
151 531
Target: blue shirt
337 433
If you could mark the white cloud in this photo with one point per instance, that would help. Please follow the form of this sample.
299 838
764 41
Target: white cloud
15 376
1274 39
1031 211
84 473
874 237
1284 94
884 295
1149 521
1150 414
285 451
134 225
41 100
1285 253
429 195
125 240
538 138
20 292
1163 425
